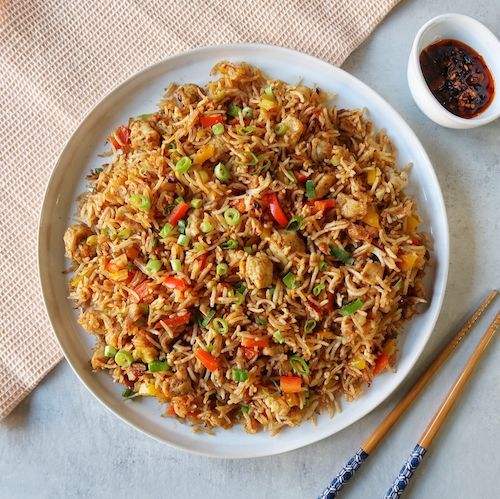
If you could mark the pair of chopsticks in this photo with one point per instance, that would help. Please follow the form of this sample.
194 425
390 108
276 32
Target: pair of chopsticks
402 480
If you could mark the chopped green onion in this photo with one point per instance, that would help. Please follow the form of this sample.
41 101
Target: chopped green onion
350 308
218 129
239 287
172 146
145 117
230 244
97 170
128 393
232 216
289 281
341 255
239 374
279 338
221 326
140 202
196 203
310 189
247 249
183 240
264 167
199 247
253 159
155 242
166 230
206 321
222 268
109 351
183 164
168 209
153 266
239 299
245 130
269 92
271 290
310 326
222 172
158 366
244 409
181 226
130 267
318 288
322 265
210 348
206 227
247 113
294 224
260 322
124 358
176 265
299 365
179 200
280 129
124 233
233 110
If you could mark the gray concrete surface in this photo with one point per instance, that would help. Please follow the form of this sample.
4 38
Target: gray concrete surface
61 442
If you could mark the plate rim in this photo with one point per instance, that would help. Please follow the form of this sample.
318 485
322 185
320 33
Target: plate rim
373 94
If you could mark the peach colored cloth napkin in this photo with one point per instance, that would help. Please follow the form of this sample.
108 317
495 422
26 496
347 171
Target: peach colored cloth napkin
57 59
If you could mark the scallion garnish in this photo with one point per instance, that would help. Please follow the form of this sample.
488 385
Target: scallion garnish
183 164
322 265
280 129
233 110
124 233
350 308
222 172
239 374
218 129
124 358
158 366
140 202
221 326
183 240
232 216
196 203
181 226
260 322
294 224
310 189
341 255
222 268
299 365
290 281
245 130
206 227
253 159
166 230
247 113
153 266
278 337
239 287
128 393
318 288
230 244
109 351
206 321
176 265
309 326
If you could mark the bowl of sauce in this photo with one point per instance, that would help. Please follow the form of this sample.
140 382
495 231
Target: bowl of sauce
452 72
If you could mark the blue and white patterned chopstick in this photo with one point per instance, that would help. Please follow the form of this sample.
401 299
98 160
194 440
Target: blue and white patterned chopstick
402 480
345 474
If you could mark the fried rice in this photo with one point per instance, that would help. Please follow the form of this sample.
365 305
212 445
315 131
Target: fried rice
248 255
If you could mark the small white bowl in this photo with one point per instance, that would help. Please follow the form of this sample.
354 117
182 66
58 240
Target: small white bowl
468 31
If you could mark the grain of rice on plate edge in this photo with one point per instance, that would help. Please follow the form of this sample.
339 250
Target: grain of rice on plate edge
248 256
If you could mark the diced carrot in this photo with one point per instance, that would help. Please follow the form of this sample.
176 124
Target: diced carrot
300 177
321 205
251 342
380 364
171 410
276 210
174 283
211 120
290 384
207 359
176 320
177 213
204 153
202 260
248 353
120 137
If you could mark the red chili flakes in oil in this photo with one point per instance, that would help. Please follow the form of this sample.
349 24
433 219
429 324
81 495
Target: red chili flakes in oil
458 77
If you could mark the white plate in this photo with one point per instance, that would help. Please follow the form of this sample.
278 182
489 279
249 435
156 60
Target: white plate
138 95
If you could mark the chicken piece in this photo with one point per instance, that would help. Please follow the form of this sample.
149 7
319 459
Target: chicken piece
399 180
181 406
221 148
323 185
360 233
294 129
277 405
351 207
187 95
284 243
180 384
143 135
134 312
320 149
73 237
305 92
371 271
259 270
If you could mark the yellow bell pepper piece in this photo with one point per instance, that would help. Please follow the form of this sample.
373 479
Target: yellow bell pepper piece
149 390
371 175
92 240
146 354
371 217
412 223
358 363
204 153
408 261
267 104
328 335
120 275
